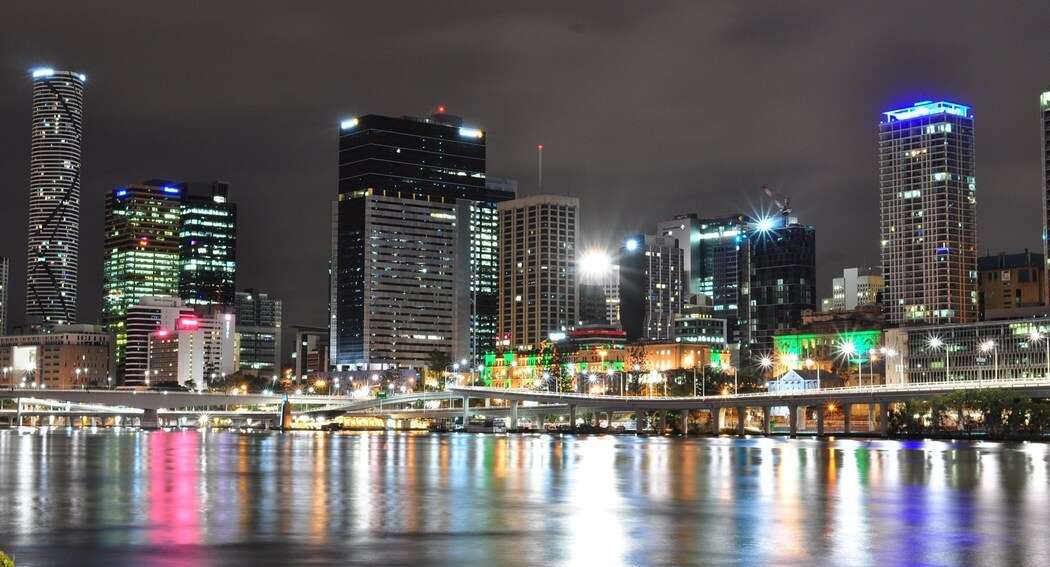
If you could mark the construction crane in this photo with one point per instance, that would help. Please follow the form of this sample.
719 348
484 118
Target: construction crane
783 201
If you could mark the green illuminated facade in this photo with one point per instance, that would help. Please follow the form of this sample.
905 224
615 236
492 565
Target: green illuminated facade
822 347
141 256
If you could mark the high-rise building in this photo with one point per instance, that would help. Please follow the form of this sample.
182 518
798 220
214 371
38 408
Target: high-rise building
592 307
197 350
854 288
403 180
311 352
781 268
1044 110
607 278
141 320
54 197
259 326
686 229
207 245
537 259
651 287
719 269
928 213
141 251
5 270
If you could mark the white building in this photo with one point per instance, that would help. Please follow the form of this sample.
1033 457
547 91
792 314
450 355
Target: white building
856 287
197 349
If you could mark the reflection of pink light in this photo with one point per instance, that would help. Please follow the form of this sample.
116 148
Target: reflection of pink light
174 502
187 323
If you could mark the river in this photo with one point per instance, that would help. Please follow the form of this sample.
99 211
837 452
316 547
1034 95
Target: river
126 497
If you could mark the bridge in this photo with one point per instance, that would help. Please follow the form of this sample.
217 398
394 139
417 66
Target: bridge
877 399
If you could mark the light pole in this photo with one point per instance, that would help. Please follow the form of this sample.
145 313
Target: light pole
1037 336
936 343
848 350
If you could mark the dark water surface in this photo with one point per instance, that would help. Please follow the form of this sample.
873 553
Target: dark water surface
115 498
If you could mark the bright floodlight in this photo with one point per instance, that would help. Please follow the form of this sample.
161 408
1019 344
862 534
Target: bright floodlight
848 348
935 342
595 263
765 224
987 345
766 362
631 244
1036 335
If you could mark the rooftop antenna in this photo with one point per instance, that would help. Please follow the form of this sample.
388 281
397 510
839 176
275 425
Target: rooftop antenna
783 201
539 155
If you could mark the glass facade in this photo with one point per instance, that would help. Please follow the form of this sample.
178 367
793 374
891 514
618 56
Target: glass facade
207 245
141 256
432 160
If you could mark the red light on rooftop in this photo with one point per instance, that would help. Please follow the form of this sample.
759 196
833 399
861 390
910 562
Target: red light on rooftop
539 146
162 333
441 108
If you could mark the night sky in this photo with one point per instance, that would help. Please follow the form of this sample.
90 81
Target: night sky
646 110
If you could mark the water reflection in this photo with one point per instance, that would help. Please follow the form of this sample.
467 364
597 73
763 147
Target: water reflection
187 498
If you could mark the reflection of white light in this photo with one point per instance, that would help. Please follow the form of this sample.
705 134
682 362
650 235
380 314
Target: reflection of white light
631 245
348 124
595 263
470 132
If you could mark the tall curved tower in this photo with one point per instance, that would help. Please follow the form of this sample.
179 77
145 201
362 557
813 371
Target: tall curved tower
54 197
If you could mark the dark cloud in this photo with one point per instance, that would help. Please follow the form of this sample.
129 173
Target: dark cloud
646 109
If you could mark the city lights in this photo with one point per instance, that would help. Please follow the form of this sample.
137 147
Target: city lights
595 263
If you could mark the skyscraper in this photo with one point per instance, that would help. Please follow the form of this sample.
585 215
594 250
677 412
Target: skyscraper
781 268
1044 110
928 214
259 326
141 251
54 197
402 182
686 230
207 245
538 285
719 270
651 286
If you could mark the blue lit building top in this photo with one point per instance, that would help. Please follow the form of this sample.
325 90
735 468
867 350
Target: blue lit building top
927 108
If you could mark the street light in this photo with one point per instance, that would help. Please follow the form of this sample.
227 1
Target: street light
936 343
1037 336
986 346
849 350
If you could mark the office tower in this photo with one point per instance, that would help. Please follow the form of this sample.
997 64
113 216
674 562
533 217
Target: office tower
537 267
928 214
697 324
207 246
856 287
5 270
651 287
197 350
403 181
259 326
593 309
311 351
141 251
1010 282
782 271
718 271
686 229
54 197
1044 110
140 320
597 270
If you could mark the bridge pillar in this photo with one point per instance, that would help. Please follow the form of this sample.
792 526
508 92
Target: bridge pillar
871 417
716 421
662 422
767 420
513 414
149 420
683 415
466 411
740 412
572 417
793 420
18 413
820 420
847 409
286 415
639 422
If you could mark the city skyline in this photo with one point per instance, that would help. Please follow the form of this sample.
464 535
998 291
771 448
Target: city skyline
1007 165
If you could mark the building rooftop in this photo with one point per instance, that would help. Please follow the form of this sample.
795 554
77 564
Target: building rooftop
1004 261
927 108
